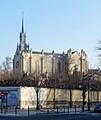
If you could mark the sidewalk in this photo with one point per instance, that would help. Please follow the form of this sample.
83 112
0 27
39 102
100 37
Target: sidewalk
22 112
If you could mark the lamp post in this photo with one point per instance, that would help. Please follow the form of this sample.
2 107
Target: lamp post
98 85
83 95
54 89
82 79
89 77
88 93
37 102
37 89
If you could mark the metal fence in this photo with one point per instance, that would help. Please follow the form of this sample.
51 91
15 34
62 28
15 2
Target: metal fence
29 111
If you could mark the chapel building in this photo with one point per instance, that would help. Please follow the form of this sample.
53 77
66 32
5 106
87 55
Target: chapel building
28 61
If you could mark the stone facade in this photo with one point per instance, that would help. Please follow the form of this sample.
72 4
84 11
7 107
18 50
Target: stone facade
28 61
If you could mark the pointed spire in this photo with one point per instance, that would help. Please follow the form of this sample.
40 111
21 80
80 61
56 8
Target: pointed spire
28 45
42 52
53 52
17 45
22 22
17 49
63 53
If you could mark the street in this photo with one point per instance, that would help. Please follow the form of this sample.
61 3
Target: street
54 117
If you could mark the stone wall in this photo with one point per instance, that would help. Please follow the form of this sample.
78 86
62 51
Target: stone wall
27 96
62 97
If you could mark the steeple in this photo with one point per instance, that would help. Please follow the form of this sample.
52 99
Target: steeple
17 49
23 46
22 23
17 46
23 37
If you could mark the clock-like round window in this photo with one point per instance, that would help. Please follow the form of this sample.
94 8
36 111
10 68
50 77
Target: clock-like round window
17 64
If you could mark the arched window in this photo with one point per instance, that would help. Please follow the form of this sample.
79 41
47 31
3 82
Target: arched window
17 64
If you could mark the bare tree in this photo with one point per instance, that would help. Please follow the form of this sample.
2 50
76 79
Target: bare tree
6 66
7 76
69 72
98 48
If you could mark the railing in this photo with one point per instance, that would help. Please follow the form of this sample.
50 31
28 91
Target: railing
29 111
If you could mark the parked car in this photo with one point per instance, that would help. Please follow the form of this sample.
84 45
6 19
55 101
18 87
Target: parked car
97 108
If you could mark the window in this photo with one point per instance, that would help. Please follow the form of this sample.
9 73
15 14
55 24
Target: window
17 64
59 66
28 65
37 66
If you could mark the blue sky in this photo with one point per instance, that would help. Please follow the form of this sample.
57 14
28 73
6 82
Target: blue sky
51 25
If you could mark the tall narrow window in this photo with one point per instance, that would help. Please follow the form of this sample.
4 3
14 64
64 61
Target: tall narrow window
28 66
37 67
59 66
17 64
42 64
